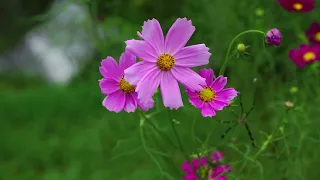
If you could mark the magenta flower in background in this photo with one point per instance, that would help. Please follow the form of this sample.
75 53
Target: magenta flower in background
213 97
165 62
313 33
273 37
120 94
305 55
205 169
297 5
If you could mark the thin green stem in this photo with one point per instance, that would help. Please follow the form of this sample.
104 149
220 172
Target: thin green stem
180 143
145 147
158 131
231 45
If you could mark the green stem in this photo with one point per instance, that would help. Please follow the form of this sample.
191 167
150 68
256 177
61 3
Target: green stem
158 131
180 143
146 148
231 44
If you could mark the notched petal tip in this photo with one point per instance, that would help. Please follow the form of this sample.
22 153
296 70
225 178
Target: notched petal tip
108 58
140 35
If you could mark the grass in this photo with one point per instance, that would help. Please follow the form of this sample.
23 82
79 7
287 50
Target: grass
64 133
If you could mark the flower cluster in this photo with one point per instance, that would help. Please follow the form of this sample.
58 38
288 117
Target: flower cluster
166 61
206 167
306 53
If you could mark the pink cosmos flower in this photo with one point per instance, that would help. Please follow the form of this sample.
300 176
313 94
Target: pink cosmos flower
120 94
305 55
297 5
205 169
165 62
213 97
313 33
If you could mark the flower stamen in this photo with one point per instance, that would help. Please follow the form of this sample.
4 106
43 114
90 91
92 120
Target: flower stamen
317 36
207 94
165 62
126 87
203 171
297 6
309 56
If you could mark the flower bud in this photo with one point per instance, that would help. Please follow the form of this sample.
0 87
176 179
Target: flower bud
273 37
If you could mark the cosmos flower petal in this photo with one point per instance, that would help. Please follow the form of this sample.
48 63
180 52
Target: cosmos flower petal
218 105
216 157
148 84
108 86
208 74
190 177
152 33
196 102
188 78
146 105
193 56
109 69
142 49
293 54
170 91
227 168
221 178
192 94
115 101
227 94
219 83
135 72
131 103
207 111
313 33
178 35
186 167
217 171
126 60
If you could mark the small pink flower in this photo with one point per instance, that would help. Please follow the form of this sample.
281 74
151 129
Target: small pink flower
205 169
305 55
313 33
213 97
218 172
120 94
298 5
166 61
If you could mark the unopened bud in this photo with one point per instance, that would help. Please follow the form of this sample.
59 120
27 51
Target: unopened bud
294 89
241 47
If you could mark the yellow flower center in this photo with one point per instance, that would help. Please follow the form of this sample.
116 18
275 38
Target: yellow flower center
309 56
297 6
165 62
317 36
204 172
126 87
207 94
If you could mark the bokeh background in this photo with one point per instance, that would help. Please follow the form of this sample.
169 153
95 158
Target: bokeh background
53 125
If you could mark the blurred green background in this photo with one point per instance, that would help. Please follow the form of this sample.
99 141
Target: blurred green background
64 133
